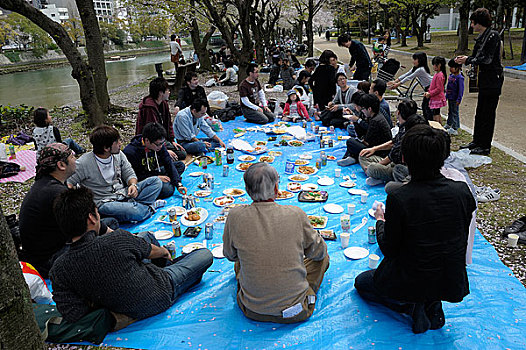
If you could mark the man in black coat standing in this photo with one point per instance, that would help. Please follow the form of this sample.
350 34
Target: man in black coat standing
359 56
423 236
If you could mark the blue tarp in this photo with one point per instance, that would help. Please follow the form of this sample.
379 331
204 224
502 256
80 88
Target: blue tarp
521 67
493 316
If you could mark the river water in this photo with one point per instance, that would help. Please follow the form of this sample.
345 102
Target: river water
55 86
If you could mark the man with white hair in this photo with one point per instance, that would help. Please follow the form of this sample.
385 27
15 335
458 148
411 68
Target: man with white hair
279 258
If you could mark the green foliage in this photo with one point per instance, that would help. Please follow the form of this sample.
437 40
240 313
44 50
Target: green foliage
14 117
29 34
13 56
153 43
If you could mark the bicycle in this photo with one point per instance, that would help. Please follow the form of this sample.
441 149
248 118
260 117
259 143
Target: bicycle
414 91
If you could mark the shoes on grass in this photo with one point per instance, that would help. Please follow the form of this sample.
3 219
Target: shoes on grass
480 151
371 181
488 195
470 145
452 131
346 161
516 226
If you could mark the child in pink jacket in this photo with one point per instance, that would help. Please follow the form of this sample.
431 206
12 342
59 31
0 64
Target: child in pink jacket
436 95
294 110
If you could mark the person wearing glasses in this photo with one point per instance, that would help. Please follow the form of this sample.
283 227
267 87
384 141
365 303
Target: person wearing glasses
148 156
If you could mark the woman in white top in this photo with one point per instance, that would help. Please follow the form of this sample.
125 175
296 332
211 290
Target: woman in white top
420 71
230 76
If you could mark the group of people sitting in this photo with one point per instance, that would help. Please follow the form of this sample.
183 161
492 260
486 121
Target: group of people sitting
92 263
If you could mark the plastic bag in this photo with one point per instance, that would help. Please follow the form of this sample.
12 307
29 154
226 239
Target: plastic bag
210 82
217 99
469 160
214 123
37 287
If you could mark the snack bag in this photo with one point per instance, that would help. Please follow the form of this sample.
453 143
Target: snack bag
37 287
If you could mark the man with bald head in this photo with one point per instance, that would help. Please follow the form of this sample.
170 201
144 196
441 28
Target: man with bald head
279 258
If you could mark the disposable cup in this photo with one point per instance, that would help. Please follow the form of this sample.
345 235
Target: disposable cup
351 208
364 197
337 172
344 238
512 240
373 261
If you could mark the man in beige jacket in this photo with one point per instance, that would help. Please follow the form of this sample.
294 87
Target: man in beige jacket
279 258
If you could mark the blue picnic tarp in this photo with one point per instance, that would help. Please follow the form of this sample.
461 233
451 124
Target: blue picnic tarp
520 67
493 316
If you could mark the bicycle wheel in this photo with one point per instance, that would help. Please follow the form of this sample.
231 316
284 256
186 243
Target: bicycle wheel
416 93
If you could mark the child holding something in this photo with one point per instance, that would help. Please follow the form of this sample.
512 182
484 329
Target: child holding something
437 98
454 94
44 133
294 110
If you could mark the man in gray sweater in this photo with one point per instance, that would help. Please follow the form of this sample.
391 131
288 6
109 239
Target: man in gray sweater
275 282
107 172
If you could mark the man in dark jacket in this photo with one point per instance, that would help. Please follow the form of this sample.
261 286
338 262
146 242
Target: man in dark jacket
423 236
148 156
485 56
154 109
359 56
190 92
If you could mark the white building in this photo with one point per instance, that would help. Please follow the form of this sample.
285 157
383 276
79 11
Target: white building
105 10
57 14
449 18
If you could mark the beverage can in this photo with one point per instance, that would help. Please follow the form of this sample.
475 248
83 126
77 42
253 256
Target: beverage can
225 170
12 153
323 157
316 129
322 142
203 162
209 231
176 228
304 124
172 214
331 143
318 163
210 181
172 249
345 222
191 201
219 160
185 202
371 235
289 166
331 129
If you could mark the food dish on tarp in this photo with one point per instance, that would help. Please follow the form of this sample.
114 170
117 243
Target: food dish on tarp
331 158
309 187
221 219
307 170
234 192
246 158
333 208
301 162
163 234
202 193
260 143
356 191
190 247
328 234
313 196
294 186
284 195
305 156
275 153
239 130
348 184
223 200
194 217
243 166
356 253
295 143
298 177
196 173
266 159
227 207
325 181
318 221
257 150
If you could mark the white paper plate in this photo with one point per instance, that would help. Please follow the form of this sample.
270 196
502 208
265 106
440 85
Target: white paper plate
163 234
309 187
356 191
218 200
246 158
305 156
202 212
333 208
325 181
202 193
371 212
298 177
196 173
228 192
180 211
217 252
356 253
348 184
294 187
190 247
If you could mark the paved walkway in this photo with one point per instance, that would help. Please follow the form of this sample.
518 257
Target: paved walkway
511 112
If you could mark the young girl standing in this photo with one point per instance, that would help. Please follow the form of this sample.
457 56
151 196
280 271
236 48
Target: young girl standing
437 98
421 72
294 110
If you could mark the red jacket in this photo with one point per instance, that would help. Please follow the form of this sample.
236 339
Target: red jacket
302 111
149 112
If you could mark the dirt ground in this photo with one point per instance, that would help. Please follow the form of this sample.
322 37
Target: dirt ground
511 111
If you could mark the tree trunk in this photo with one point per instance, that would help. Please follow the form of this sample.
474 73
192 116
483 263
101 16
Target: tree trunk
405 31
200 46
310 36
500 15
463 27
81 72
523 54
18 328
300 32
95 51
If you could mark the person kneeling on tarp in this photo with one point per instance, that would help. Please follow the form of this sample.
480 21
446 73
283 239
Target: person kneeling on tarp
268 243
128 274
423 236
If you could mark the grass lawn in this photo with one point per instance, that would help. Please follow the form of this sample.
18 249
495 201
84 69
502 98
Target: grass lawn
445 43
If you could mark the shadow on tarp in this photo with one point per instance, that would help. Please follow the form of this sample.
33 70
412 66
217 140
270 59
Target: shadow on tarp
493 316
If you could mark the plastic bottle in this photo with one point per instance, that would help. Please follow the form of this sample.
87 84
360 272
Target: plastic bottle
230 154
3 153
289 166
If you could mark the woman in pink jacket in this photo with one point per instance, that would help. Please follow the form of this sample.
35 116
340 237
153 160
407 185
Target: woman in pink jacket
436 95
294 110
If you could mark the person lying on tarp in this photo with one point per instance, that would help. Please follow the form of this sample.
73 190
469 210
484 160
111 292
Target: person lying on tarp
423 235
128 274
275 282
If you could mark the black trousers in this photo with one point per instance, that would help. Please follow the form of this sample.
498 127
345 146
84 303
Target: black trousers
353 148
485 116
364 285
362 74
335 119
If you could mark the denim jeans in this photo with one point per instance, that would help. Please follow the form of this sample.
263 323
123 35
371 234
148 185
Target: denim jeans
185 271
198 147
135 209
452 114
167 190
75 147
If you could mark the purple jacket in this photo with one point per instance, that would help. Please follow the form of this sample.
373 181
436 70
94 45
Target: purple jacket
455 87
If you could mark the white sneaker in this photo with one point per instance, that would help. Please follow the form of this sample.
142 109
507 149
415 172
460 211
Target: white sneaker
371 181
346 161
159 203
489 195
452 131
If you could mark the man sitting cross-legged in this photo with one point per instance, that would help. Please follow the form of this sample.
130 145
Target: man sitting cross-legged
148 156
423 236
115 271
107 172
279 258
